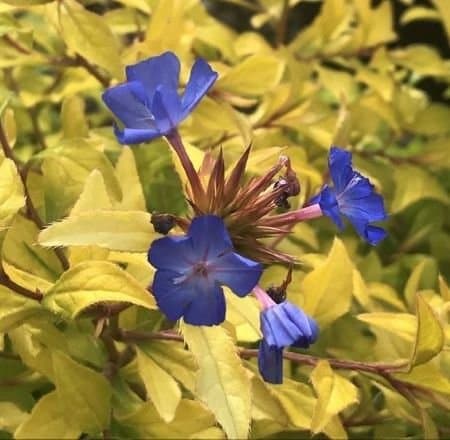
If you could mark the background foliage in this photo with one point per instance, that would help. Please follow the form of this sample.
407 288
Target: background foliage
80 362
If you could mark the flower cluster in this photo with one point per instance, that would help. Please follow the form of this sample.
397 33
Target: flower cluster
222 242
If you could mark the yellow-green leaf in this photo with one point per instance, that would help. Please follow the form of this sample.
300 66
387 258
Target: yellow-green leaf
162 388
191 417
84 395
254 76
222 382
11 191
421 185
334 392
444 13
93 282
15 309
427 376
73 120
47 420
127 175
88 34
115 230
430 335
11 416
327 290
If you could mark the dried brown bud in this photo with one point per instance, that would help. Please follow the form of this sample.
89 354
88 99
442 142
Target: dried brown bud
162 223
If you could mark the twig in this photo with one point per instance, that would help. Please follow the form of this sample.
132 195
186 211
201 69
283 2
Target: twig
32 213
102 79
6 281
280 31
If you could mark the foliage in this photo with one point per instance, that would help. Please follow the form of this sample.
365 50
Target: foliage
84 349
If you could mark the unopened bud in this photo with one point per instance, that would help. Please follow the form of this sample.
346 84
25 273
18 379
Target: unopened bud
162 223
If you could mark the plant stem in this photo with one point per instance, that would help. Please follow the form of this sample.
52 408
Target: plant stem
198 191
32 213
6 281
282 24
102 79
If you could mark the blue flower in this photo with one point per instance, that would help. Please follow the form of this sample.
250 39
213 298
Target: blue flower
191 269
282 325
352 196
148 104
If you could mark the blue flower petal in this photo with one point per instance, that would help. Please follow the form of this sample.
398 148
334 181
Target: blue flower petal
172 253
210 237
200 81
208 307
128 102
270 363
155 71
284 324
329 205
372 234
340 166
166 108
135 135
240 274
172 298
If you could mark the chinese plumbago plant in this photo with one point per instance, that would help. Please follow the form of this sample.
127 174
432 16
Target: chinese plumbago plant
213 234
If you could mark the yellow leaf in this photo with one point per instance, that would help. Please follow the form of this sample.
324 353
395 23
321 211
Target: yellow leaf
93 282
413 284
444 13
421 185
88 34
94 195
116 230
162 388
419 13
222 382
334 392
47 420
427 376
11 416
84 395
127 175
360 290
401 324
430 431
430 335
254 76
11 191
328 288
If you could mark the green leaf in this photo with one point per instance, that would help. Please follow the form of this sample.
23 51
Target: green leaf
420 185
88 34
93 282
115 230
334 392
222 382
84 395
15 309
430 335
254 76
11 191
163 390
327 290
47 420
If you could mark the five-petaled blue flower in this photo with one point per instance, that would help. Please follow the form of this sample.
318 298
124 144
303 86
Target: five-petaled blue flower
352 196
191 269
282 325
148 104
